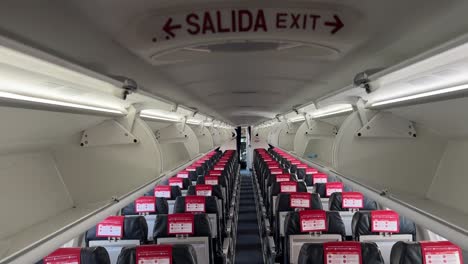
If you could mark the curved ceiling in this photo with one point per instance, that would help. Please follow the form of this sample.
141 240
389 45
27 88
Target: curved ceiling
241 77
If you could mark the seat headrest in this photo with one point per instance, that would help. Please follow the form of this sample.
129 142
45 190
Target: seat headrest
202 226
193 175
301 174
181 254
283 202
175 192
406 253
91 255
361 225
272 178
134 228
320 188
334 222
336 203
186 182
276 188
216 191
313 253
211 207
221 180
161 208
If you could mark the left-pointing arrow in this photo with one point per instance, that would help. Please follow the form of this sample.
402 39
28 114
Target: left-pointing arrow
337 24
169 28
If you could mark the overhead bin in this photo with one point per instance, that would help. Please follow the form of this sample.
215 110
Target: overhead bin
315 138
283 134
178 142
205 139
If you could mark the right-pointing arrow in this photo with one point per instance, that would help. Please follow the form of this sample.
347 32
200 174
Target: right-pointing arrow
337 24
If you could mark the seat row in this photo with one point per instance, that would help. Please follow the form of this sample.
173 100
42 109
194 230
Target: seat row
196 207
349 252
299 204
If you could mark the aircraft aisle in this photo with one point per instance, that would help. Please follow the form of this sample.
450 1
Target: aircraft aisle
248 245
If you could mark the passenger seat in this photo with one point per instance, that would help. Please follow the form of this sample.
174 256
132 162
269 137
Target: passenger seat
435 252
296 236
89 255
116 232
353 202
170 193
173 254
160 207
340 252
363 230
187 229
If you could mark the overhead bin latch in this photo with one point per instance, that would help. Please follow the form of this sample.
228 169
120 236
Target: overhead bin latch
128 85
362 79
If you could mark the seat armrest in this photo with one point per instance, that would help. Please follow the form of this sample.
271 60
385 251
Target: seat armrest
229 226
271 245
226 245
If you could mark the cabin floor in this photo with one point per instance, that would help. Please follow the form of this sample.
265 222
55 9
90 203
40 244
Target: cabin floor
248 246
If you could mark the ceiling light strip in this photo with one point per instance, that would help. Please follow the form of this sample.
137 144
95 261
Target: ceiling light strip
428 95
332 113
18 99
161 118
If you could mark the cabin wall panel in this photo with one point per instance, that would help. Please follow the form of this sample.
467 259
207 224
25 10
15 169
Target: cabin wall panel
31 190
406 165
449 186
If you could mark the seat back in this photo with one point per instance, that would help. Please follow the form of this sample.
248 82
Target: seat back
170 193
132 230
289 202
362 226
210 190
426 252
89 255
167 232
368 252
179 254
194 204
327 189
348 205
295 238
160 205
183 184
283 187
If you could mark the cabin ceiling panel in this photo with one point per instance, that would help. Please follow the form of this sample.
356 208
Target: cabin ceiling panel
375 34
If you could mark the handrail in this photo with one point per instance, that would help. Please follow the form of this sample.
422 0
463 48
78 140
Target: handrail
41 247
450 231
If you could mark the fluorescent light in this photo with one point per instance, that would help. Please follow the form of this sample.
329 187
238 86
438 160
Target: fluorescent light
421 95
160 115
332 110
13 96
32 76
297 119
193 122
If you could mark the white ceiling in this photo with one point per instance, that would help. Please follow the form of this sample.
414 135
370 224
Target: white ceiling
246 87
